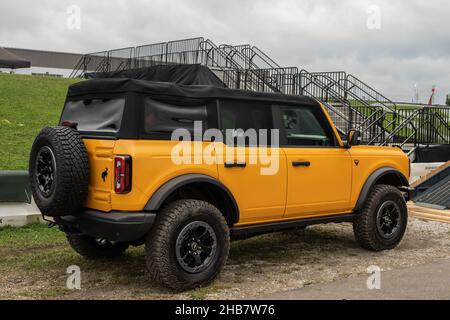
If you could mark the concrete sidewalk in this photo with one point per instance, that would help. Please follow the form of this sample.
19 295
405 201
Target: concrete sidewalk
19 214
430 281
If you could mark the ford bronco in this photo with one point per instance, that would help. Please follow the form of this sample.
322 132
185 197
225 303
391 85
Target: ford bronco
113 173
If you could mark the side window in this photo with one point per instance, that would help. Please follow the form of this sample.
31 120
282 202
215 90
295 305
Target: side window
240 118
306 126
161 119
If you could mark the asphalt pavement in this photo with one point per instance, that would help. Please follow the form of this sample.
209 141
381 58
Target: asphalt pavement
430 281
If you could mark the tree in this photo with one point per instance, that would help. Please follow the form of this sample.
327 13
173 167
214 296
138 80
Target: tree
447 102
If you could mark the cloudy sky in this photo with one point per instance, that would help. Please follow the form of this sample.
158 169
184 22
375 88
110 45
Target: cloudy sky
391 45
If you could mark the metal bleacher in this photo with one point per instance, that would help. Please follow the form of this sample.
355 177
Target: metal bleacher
350 102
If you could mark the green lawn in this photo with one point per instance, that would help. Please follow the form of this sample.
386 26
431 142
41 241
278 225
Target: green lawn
27 104
34 259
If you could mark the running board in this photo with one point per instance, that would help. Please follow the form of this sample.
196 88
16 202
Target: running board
249 231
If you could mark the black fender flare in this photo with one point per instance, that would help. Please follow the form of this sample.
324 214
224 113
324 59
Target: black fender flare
374 178
159 196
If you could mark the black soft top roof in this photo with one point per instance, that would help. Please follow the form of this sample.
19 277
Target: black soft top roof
189 74
175 92
171 83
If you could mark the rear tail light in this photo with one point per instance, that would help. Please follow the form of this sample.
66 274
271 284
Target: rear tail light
70 124
122 174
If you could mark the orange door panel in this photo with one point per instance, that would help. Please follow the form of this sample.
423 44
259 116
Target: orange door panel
319 181
259 187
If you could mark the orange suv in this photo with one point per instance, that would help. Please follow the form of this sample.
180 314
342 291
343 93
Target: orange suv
182 169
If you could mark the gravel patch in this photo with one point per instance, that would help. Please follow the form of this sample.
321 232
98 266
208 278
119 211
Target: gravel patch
256 267
328 253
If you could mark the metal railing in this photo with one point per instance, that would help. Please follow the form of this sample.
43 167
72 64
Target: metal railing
120 59
262 59
350 102
424 126
338 108
363 113
95 62
184 51
365 92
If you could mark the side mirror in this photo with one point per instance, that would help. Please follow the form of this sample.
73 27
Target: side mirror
353 138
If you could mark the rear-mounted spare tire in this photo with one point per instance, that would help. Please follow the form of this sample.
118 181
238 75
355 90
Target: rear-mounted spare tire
59 171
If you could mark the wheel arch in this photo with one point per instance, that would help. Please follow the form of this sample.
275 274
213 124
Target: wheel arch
200 187
385 175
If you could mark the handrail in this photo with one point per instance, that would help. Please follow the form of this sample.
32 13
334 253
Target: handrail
77 67
401 126
375 138
333 83
431 112
252 69
369 118
373 126
353 80
208 48
215 49
264 57
347 122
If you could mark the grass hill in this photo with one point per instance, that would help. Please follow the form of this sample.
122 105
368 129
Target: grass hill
27 104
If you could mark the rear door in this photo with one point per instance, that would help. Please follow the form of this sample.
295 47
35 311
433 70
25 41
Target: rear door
101 168
254 171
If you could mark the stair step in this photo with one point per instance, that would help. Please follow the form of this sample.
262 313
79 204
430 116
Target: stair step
438 195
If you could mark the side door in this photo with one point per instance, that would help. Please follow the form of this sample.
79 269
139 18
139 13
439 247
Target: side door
319 168
252 170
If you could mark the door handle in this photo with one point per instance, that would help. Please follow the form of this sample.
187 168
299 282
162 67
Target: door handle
301 163
235 164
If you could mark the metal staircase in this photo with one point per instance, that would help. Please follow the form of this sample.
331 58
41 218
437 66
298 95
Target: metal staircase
434 189
350 102
437 195
289 80
362 116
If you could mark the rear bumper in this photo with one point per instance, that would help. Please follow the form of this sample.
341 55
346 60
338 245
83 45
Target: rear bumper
113 226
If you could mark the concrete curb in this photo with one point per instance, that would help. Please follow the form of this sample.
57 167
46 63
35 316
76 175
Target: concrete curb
19 214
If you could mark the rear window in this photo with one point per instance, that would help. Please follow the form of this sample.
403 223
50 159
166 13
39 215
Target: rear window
95 115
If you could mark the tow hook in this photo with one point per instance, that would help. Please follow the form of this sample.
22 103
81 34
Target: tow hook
50 224
408 192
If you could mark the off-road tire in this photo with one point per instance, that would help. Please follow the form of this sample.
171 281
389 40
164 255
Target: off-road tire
89 247
69 188
160 246
365 227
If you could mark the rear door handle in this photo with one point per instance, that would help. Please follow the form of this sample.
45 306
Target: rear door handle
301 163
235 164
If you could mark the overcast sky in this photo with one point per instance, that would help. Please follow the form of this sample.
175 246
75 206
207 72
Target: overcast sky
408 45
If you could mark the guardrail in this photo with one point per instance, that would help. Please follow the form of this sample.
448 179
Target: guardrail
15 186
